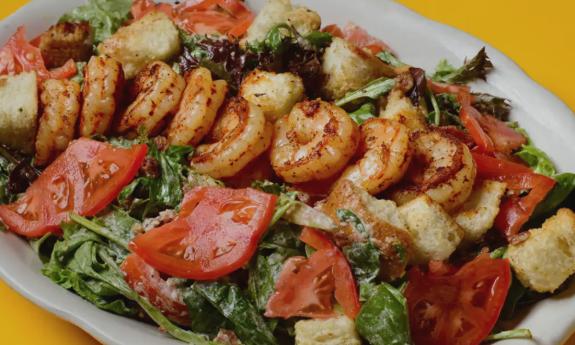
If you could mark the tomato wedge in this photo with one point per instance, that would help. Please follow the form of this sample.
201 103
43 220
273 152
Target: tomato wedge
358 37
458 307
148 283
18 55
230 17
216 233
345 289
84 179
516 210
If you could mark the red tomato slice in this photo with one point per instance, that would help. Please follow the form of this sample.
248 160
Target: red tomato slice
216 233
458 308
358 37
345 287
84 179
516 210
147 282
334 30
504 138
18 55
305 287
447 88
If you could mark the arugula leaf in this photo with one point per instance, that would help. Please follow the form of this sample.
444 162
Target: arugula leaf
363 113
148 195
372 90
520 333
364 260
476 68
105 16
383 319
244 317
390 59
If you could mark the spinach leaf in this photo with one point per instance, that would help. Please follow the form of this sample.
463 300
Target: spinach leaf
476 68
390 59
204 318
244 317
373 90
363 113
105 16
162 186
364 260
383 319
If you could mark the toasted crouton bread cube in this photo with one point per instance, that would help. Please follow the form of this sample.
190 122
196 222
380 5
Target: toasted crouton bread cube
18 110
400 108
304 20
153 37
335 331
435 233
477 214
274 93
348 68
546 258
65 41
382 220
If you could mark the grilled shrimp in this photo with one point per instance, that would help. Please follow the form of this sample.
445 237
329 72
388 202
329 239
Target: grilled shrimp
239 136
60 103
400 108
385 155
198 108
442 168
314 142
103 84
158 88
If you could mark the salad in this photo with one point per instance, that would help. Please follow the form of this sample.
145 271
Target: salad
262 179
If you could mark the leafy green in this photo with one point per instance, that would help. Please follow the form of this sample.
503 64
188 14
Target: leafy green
351 218
286 199
5 169
516 293
390 59
364 260
363 113
445 110
281 242
492 105
43 246
476 68
120 239
244 317
270 187
79 77
204 318
538 160
565 184
520 333
148 195
373 90
319 39
105 16
195 179
85 263
383 319
498 253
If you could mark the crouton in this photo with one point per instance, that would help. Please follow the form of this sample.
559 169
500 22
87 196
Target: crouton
478 213
277 12
65 41
60 101
348 68
18 111
400 108
274 93
546 258
335 331
153 37
435 233
382 220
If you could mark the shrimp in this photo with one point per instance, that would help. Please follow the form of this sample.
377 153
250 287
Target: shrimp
158 88
314 142
400 108
198 108
239 136
442 168
60 103
103 84
385 155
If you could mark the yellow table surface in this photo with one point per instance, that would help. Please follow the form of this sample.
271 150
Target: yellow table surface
538 35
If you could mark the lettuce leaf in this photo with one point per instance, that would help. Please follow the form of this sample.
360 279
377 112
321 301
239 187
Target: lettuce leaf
105 16
476 68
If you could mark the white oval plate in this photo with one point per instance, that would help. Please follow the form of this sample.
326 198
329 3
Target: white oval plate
418 41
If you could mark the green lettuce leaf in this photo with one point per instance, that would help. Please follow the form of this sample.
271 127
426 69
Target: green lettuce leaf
105 16
363 113
373 90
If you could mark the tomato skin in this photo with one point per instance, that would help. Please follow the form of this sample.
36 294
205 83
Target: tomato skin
84 179
457 307
18 55
216 233
358 37
147 282
515 211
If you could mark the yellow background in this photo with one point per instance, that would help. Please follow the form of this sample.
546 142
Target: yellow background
538 35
